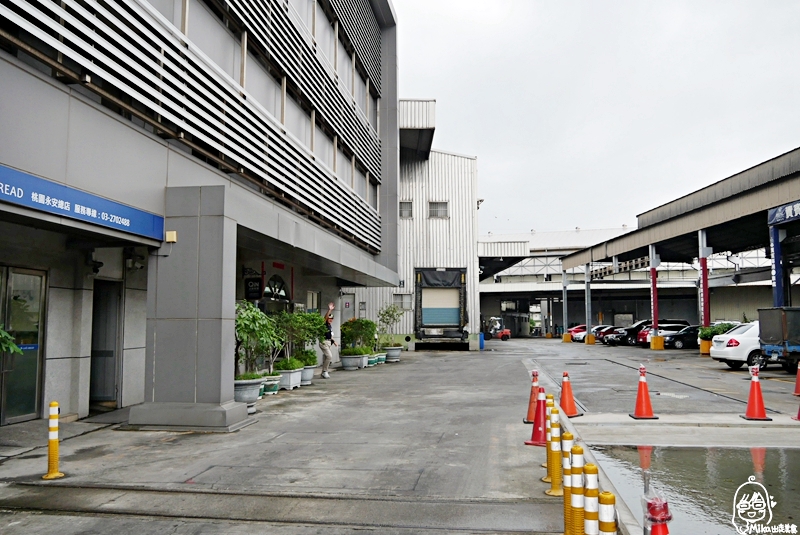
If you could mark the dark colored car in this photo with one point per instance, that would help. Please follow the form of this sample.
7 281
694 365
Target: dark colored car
601 334
684 339
616 337
632 332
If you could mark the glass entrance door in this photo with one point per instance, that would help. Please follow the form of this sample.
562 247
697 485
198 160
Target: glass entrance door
23 314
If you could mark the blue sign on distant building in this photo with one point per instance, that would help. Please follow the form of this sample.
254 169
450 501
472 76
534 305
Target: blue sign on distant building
783 214
27 190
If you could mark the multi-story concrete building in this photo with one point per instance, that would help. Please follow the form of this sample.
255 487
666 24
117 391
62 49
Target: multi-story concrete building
438 233
159 160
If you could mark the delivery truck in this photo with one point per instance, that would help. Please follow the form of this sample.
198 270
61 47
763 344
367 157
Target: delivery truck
779 336
441 305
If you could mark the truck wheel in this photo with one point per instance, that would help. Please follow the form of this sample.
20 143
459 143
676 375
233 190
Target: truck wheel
790 366
755 358
734 364
504 337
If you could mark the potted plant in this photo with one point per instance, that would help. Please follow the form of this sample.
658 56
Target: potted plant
705 334
388 317
359 332
291 370
351 356
270 383
309 359
253 332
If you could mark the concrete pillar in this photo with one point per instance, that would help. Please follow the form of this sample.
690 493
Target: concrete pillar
703 253
588 278
191 295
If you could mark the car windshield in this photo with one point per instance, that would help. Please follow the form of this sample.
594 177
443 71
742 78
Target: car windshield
686 330
740 329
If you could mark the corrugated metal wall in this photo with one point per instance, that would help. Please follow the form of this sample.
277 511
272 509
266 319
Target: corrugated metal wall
432 243
417 114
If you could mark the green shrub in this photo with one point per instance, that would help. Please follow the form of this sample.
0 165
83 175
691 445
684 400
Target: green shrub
288 364
355 351
307 356
707 333
248 376
358 332
268 374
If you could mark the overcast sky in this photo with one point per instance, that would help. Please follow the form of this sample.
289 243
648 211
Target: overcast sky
587 113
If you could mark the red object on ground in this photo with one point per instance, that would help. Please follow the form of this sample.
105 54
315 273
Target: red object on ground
645 452
531 417
755 403
567 401
539 435
658 513
797 417
643 410
797 385
759 456
577 329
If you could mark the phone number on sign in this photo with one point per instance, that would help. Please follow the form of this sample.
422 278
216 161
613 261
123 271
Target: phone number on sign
124 221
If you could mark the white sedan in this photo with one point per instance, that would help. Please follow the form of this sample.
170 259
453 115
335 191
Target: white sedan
738 346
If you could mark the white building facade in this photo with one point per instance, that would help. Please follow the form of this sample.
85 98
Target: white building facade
438 229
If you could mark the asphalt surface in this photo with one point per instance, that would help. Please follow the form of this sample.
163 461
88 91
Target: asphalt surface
433 444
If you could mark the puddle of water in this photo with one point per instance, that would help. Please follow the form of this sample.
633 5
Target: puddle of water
700 483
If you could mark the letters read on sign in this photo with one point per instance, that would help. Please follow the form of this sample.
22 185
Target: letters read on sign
252 289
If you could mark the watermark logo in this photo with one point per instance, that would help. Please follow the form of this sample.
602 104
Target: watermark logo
752 510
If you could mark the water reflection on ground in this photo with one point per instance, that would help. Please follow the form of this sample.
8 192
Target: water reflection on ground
700 483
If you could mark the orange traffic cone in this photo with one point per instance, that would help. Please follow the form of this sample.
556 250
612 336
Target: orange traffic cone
538 436
643 410
645 452
797 417
534 396
755 404
567 399
797 386
759 456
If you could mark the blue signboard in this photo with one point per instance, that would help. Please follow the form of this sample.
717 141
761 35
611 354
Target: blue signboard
46 196
784 214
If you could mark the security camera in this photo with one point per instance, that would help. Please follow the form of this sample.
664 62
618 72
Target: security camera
133 263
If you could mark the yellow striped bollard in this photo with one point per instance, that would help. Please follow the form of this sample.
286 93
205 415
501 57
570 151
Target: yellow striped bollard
607 513
567 441
52 445
577 490
590 501
554 455
550 404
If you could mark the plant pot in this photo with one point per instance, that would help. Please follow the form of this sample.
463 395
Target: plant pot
364 361
392 353
705 347
246 391
271 384
290 379
350 362
307 375
381 358
372 360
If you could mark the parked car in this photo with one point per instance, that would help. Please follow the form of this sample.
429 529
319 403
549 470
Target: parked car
646 334
581 336
683 339
576 329
632 332
616 337
602 333
738 346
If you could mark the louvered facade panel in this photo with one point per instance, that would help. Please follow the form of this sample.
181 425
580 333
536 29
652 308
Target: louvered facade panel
125 47
358 22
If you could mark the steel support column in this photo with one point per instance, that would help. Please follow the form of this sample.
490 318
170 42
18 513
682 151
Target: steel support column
657 342
588 278
564 314
703 295
778 299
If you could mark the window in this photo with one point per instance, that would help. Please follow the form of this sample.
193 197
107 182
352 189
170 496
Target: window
298 122
325 38
373 112
373 195
437 210
406 209
361 93
360 184
345 69
323 148
263 86
402 301
312 301
344 168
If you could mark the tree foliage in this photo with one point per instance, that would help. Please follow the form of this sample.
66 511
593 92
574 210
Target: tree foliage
358 332
707 333
257 335
388 317
7 344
